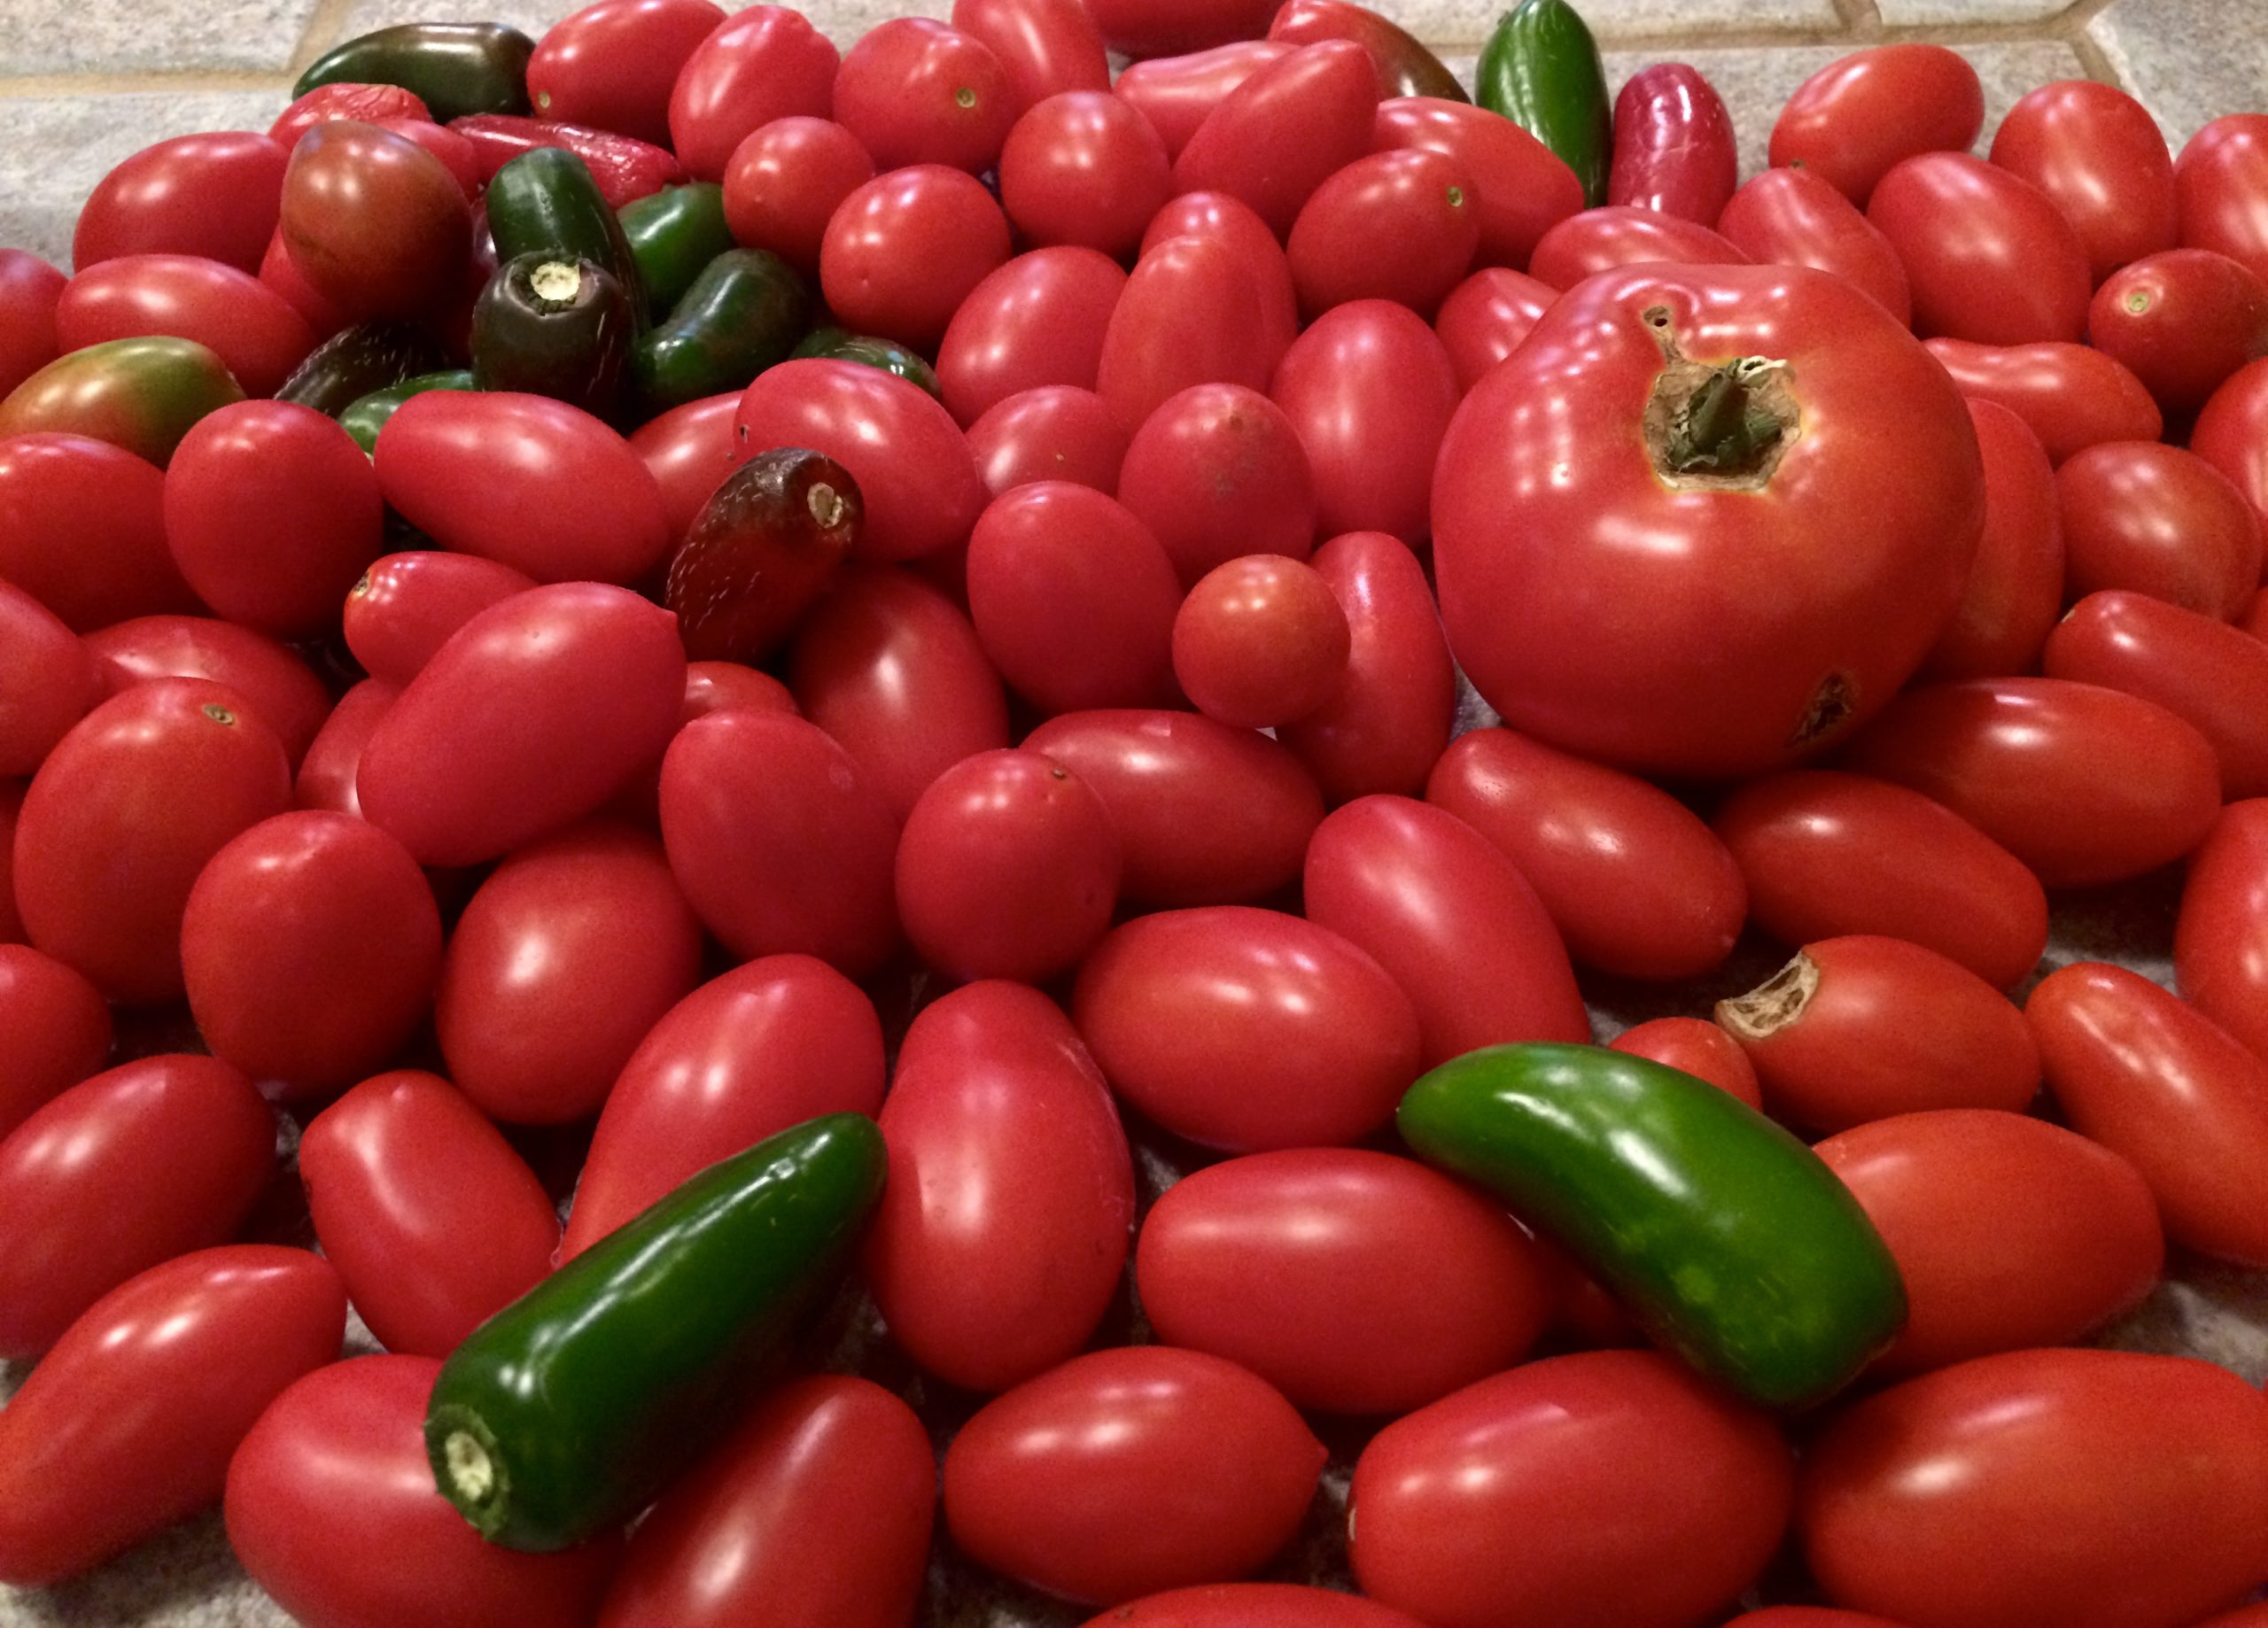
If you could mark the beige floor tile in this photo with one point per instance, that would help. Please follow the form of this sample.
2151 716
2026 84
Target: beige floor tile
121 37
2189 60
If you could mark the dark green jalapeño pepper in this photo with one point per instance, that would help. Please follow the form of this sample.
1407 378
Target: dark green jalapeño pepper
367 416
454 68
566 1412
547 202
1541 69
871 351
674 234
740 316
1728 1241
554 325
354 362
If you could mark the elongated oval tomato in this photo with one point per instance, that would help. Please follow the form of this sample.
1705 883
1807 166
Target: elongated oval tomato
1053 433
407 606
1227 223
2231 434
1791 217
1988 256
2072 396
1217 471
49 678
1279 136
2218 181
29 288
54 1027
1252 1605
901 252
1398 226
1369 390
1485 318
2182 321
2220 938
1694 1046
249 327
612 65
1189 314
277 687
1862 113
1526 189
326 777
1048 47
915 91
2102 159
1082 167
2200 669
1175 93
1037 319
1617 235
2159 519
2016 585
84 530
765 62
213 194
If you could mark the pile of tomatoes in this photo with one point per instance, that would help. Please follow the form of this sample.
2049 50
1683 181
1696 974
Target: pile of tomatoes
1029 715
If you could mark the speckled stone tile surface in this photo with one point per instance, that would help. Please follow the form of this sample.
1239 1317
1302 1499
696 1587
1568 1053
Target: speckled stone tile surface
116 36
1941 13
1469 21
2189 60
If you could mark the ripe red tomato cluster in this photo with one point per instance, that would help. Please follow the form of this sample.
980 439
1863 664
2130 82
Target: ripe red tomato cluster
1102 812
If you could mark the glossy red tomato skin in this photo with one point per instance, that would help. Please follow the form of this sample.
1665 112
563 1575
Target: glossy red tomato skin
1390 718
48 679
612 65
129 1168
2072 396
1809 1616
764 63
1827 854
1206 814
2219 936
1988 256
82 530
1617 235
2243 1616
1190 315
1175 93
1451 920
1276 138
1124 1472
216 195
1252 1605
785 180
1401 225
2160 521
1674 144
1634 880
1697 1047
1604 1488
1260 642
2181 321
1791 217
1084 167
1232 225
1526 189
2218 183
1354 1282
688 451
914 90
1217 471
1861 115
278 688
2078 1488
407 606
1485 318
2213 675
374 222
250 328
1371 390
128 1423
1055 433
331 1507
1147 28
903 251
2015 584
2021 758
817 1508
327 773
54 1031
1038 320
29 288
1048 47
11 805
2229 434
2102 159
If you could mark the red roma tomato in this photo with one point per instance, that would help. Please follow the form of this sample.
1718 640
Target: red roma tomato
1988 256
54 1031
1526 189
1220 218
688 451
132 1167
1791 217
1173 94
2231 434
915 91
252 329
763 63
370 104
1260 640
1369 390
1548 472
1450 920
310 947
277 271
1002 1232
1048 47
1158 27
1834 1043
815 1509
271 513
2102 159
2072 396
29 288
2008 1232
82 530
1637 885
1697 1047
1252 1605
612 65
526 481
2220 939
1401 225
1486 317
407 606
1055 433
1673 149
2162 521
128 1424
785 181
2181 321
1827 854
1861 115
2213 675
2219 182
1190 314
891 670
914 470
373 221
327 773
2016 586
12 804
1124 1472
1084 167
1812 1617
1609 1489
1390 719
48 680
1218 471
903 251
570 952
1206 814
1038 320
1354 1282
276 686
456 149
1248 1029
433 1221
1276 138
216 195
770 1044
123 815
2081 1489
1599 240
2153 1079
332 1508
1072 597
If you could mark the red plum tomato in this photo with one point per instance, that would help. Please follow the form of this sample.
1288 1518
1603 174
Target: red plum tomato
2220 938
254 331
1697 1046
2181 321
1791 217
54 1031
1036 320
215 194
276 686
786 181
1989 257
1048 47
1371 390
2203 671
1861 115
2102 159
82 530
2072 396
49 680
914 90
1401 225
763 63
1084 167
2219 180
1218 471
1260 640
613 65
903 251
2160 521
1485 318
30 289
2015 584
1526 189
1601 239
407 606
373 221
1191 314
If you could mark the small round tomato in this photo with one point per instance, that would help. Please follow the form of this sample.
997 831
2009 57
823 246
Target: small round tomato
216 195
276 686
1217 471
2182 321
903 251
612 65
2200 669
82 530
1084 167
914 90
1280 135
30 289
2015 584
1485 318
407 606
2160 521
1036 320
1989 257
1369 390
1861 115
2102 159
1697 1046
1055 433
1190 314
326 777
1791 217
1260 640
786 181
2218 183
49 678
763 63
374 224
2072 396
2220 938
250 328
1601 239
1400 225
54 1031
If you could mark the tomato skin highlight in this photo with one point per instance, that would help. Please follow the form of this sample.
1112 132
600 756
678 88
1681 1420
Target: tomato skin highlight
2100 158
1791 217
2016 585
2072 396
1369 390
2213 675
1861 115
2161 520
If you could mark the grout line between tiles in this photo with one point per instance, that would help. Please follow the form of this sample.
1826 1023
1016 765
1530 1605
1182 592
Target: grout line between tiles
1862 18
129 84
324 25
2095 59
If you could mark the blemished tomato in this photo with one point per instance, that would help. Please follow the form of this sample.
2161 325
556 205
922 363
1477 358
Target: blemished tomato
1280 135
216 195
2218 183
914 90
1601 239
763 63
1369 390
903 251
2160 521
1354 1282
1635 882
2231 434
276 686
2008 1232
1252 1605
1217 471
1861 115
2213 675
530 716
146 1161
29 288
327 773
2156 1080
2182 321
1485 318
54 1030
1190 314
374 222
1084 167
1223 221
1124 1472
2023 760
2072 396
689 450
786 181
1791 217
1055 433
1048 47
1451 920
1038 320
1988 256
1827 854
1175 93
1674 144
2102 159
1694 1046
331 1507
612 65
1401 225
82 530
127 1423
1260 640
2081 1489
1609 1488
252 329
1526 189
2220 938
2016 585
49 680
1001 1234
406 607
817 1508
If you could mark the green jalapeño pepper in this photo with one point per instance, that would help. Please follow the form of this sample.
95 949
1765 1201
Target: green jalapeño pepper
674 234
1729 1242
566 1412
141 394
1541 69
546 202
874 352
354 362
740 316
453 68
554 325
368 414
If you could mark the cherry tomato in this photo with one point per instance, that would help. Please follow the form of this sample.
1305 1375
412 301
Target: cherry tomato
128 1424
612 65
1674 144
2016 585
216 195
1369 390
1401 225
1862 114
30 289
1609 1489
1055 433
1697 1046
1276 138
2205 672
1123 1472
1827 854
54 1031
1190 314
1037 319
48 679
1599 240
1084 167
82 530
785 181
689 450
2229 435
2072 396
407 606
2082 1488
274 684
1260 640
2181 321
2219 938
327 773
2161 520
763 63
1175 93
2218 183
1048 47
2102 159
1217 471
916 91
1791 217
1988 256
1252 1605
1222 220
1526 189
1485 318
252 329
817 1508
373 221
